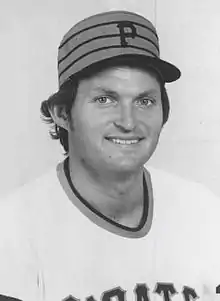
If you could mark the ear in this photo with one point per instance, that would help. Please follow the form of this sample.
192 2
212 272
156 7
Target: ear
60 117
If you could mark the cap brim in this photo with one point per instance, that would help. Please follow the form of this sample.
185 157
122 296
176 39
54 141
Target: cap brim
166 70
169 72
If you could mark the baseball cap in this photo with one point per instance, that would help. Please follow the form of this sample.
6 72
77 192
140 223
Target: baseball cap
109 35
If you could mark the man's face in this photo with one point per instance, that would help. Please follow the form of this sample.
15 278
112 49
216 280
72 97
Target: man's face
116 120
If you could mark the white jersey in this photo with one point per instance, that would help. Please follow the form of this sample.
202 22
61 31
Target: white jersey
54 247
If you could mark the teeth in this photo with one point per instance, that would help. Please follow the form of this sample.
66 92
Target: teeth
119 141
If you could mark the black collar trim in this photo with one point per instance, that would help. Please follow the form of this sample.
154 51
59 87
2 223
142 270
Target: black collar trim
88 205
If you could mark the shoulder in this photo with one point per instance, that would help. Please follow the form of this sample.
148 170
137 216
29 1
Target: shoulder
163 178
21 214
31 191
180 189
22 206
190 205
186 202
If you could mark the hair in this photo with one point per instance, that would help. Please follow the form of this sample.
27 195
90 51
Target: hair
64 98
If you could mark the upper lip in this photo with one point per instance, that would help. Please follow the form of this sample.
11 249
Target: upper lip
124 137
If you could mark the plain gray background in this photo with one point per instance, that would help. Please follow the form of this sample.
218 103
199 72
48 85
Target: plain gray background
30 33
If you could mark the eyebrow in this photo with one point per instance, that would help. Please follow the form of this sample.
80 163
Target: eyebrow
107 91
115 94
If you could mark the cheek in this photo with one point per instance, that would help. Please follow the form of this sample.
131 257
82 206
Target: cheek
87 133
153 121
80 120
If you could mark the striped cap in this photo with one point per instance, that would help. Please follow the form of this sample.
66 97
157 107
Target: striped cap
108 35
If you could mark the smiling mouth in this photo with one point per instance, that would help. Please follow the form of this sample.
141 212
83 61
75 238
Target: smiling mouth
124 141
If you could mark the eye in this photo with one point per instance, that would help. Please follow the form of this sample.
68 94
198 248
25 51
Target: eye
103 100
146 102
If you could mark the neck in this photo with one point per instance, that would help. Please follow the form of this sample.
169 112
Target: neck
118 195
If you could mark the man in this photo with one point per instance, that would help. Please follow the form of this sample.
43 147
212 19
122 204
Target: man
105 225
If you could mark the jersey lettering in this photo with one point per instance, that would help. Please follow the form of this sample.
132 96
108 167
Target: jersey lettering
91 298
7 298
116 292
189 294
141 292
167 290
70 298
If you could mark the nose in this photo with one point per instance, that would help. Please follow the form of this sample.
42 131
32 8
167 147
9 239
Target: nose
126 120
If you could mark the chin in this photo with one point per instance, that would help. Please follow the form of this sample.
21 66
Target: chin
129 162
127 166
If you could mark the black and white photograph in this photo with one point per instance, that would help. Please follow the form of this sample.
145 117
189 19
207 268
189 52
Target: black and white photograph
110 143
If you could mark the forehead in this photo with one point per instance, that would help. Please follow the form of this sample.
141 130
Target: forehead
123 77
